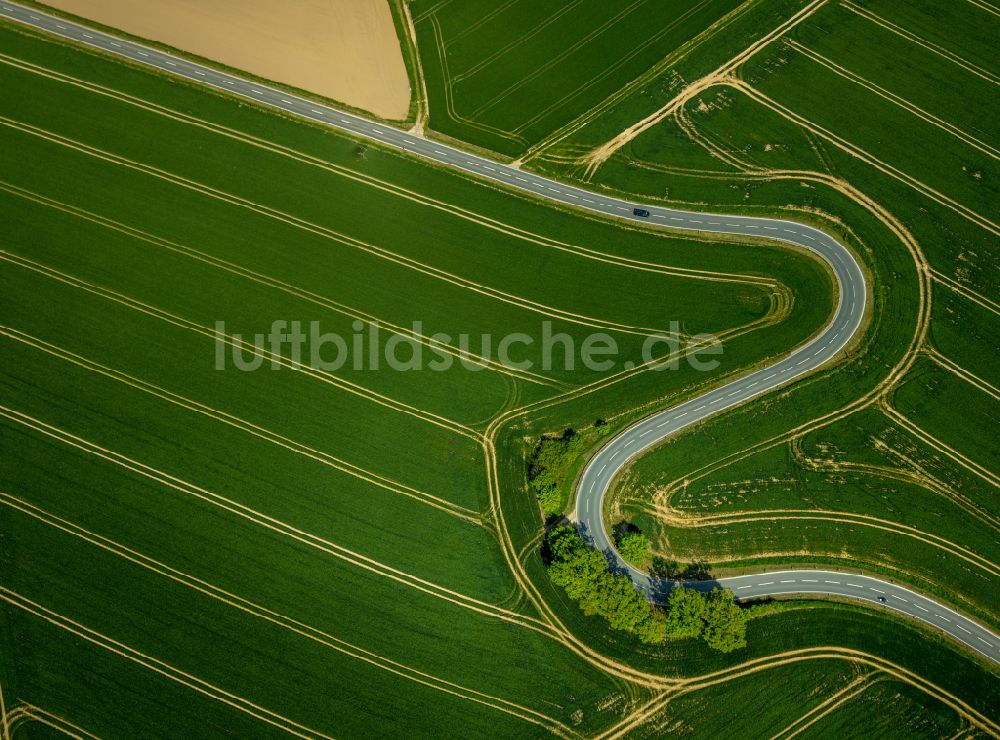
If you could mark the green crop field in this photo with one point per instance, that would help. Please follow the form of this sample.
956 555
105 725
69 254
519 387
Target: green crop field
355 551
504 76
881 118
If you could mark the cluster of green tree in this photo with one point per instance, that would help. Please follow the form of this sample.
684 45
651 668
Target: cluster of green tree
634 547
550 468
712 616
585 575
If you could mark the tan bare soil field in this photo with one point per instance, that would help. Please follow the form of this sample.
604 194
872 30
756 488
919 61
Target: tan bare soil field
346 50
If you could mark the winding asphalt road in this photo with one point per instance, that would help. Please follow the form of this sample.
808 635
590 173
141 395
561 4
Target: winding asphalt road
638 438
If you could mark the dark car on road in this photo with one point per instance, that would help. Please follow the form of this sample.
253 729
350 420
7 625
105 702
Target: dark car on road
642 212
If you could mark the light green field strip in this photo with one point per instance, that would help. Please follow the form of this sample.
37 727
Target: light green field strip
246 347
374 437
930 118
447 207
301 293
260 432
327 233
304 630
624 262
936 444
270 523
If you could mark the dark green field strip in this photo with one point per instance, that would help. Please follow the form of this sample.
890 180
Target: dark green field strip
536 75
952 168
344 600
105 694
205 293
208 535
965 333
962 28
301 491
761 704
737 31
312 409
264 663
930 397
475 33
888 709
557 73
321 198
904 68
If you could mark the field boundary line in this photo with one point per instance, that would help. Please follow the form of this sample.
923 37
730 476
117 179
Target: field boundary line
218 336
440 49
578 44
423 103
936 444
286 622
205 688
4 719
438 5
448 507
478 23
379 184
609 69
929 45
862 155
965 291
584 119
600 154
24 711
897 100
983 5
955 369
276 525
330 234
836 700
275 283
538 28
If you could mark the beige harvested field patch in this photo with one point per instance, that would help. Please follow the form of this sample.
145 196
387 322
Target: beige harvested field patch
346 50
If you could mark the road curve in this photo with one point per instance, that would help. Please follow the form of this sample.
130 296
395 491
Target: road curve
651 431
